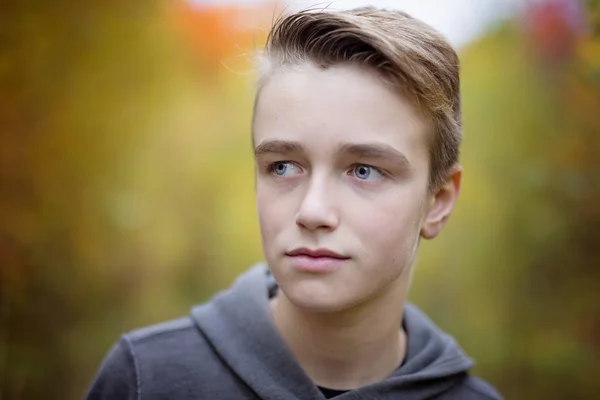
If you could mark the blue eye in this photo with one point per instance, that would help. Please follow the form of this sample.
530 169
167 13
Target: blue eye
284 168
366 172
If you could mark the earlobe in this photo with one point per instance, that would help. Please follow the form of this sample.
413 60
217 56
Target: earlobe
442 205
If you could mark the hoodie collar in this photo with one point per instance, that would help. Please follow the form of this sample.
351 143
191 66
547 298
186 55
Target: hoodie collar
238 324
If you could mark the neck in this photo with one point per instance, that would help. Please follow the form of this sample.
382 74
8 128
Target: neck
346 349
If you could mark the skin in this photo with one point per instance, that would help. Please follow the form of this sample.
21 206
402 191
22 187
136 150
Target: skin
342 163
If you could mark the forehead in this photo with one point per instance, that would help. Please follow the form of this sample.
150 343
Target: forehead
342 104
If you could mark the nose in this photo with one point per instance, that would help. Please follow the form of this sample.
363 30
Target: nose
317 209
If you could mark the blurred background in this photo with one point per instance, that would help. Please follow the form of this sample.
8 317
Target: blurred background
126 182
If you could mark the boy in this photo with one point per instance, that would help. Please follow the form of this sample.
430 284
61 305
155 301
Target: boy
356 135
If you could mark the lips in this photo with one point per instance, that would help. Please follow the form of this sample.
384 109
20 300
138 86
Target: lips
316 253
316 261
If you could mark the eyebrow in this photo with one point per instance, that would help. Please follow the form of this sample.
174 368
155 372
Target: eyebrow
364 150
377 150
276 147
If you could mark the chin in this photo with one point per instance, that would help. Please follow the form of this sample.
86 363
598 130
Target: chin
317 296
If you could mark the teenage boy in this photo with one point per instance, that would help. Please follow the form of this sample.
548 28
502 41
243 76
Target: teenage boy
356 134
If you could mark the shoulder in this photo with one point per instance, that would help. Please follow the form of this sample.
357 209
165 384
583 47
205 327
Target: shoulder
474 388
117 376
140 353
169 345
171 333
173 344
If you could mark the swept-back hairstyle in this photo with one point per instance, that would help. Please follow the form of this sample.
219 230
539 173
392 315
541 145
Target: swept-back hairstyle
405 52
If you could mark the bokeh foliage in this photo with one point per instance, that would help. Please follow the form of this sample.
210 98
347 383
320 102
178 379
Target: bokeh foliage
126 188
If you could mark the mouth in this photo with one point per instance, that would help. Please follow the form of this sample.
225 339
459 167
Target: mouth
316 261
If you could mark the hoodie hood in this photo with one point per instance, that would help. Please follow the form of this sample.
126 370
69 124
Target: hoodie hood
238 325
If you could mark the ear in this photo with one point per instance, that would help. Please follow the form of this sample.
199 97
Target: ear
441 205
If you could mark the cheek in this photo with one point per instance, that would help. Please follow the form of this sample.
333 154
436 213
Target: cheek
271 213
389 228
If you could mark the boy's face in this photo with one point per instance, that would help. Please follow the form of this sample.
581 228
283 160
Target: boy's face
342 167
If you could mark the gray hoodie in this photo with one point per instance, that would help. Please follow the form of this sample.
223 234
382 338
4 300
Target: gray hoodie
229 348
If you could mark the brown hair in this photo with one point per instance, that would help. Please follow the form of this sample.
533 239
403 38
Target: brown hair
406 52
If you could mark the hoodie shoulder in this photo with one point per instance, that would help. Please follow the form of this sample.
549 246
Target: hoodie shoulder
117 377
162 331
171 346
147 358
475 388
